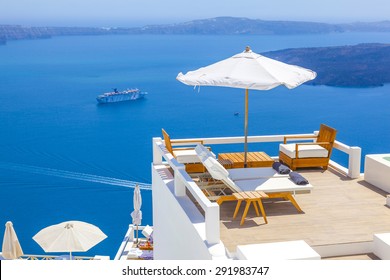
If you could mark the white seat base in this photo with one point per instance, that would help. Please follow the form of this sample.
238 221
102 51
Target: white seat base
186 156
304 151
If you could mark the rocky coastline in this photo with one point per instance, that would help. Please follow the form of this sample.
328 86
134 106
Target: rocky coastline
364 65
212 26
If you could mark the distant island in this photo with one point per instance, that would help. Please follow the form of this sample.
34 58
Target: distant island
363 65
212 26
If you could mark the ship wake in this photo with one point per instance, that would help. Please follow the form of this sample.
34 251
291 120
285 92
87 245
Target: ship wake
73 175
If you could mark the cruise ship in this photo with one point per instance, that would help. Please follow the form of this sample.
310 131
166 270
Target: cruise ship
345 215
119 96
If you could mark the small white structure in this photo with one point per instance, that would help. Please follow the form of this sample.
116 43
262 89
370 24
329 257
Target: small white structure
377 171
382 246
289 250
101 258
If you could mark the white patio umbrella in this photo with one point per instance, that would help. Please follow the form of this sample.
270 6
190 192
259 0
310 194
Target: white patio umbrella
248 70
137 213
11 248
70 236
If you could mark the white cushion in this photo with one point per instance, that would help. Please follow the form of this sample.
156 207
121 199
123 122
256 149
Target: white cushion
273 184
304 151
253 173
186 156
216 170
203 153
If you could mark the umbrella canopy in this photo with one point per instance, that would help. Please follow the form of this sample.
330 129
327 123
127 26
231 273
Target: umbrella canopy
248 70
137 202
71 236
11 247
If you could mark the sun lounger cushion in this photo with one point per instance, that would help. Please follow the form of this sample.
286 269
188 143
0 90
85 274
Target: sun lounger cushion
298 178
203 153
216 170
305 151
186 156
270 185
252 173
280 168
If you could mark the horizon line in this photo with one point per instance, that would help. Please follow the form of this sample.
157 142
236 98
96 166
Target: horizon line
185 21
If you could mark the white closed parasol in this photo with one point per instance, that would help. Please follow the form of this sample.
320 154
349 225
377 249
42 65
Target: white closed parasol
11 248
136 215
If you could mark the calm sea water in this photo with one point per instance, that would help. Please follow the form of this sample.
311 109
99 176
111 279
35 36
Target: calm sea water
63 157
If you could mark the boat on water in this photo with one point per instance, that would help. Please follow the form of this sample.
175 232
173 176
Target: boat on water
119 96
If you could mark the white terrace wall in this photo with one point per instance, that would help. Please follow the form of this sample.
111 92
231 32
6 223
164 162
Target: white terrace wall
178 225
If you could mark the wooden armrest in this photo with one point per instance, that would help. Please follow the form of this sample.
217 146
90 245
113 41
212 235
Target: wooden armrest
313 143
323 143
187 141
298 137
188 148
306 144
183 149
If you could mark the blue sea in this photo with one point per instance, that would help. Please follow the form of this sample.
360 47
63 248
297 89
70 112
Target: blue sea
64 157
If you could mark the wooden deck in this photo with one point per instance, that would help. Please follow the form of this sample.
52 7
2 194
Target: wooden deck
338 210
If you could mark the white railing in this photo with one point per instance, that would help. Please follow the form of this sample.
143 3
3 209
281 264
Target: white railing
183 181
130 236
57 257
354 153
354 159
52 257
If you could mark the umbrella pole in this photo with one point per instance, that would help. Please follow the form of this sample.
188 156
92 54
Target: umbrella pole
70 255
136 233
246 129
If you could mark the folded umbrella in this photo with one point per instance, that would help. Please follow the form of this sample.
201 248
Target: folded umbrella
11 248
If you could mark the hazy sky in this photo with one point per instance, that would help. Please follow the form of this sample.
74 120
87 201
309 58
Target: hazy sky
143 12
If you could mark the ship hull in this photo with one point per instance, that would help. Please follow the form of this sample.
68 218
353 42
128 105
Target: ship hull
120 97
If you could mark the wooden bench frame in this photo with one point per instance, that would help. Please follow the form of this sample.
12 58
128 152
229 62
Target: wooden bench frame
190 167
325 139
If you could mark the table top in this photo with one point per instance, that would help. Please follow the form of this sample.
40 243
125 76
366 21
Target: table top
254 159
251 195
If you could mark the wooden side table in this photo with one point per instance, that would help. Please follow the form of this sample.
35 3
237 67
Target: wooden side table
254 159
249 197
